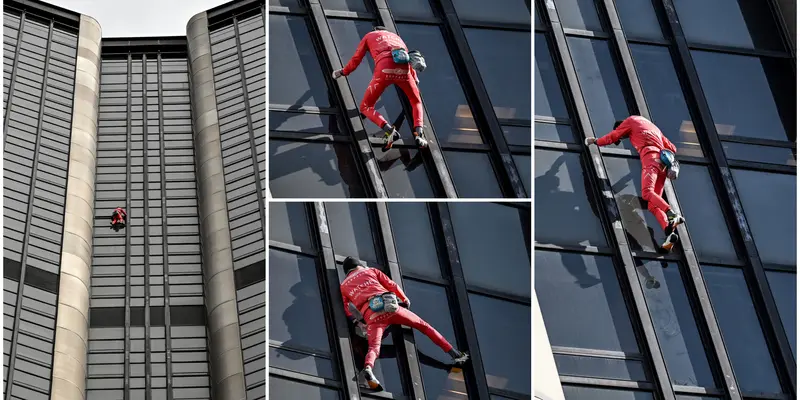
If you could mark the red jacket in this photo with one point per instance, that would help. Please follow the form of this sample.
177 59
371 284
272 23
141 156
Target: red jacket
644 135
380 45
363 284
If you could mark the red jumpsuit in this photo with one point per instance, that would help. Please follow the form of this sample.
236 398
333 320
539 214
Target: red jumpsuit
648 140
387 72
363 284
119 216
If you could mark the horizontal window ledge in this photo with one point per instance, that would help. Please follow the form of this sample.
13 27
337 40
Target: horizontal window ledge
303 378
293 248
586 34
611 383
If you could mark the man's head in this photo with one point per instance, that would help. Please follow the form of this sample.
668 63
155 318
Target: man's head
379 28
617 124
350 264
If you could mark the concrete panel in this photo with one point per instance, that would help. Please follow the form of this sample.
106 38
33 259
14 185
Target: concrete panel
227 366
72 332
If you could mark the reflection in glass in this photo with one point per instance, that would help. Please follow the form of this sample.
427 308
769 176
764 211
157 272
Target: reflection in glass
473 174
296 76
523 164
404 173
737 23
287 389
638 18
288 224
301 122
414 240
345 5
351 231
579 14
553 133
312 170
784 290
759 154
600 367
505 11
410 9
548 95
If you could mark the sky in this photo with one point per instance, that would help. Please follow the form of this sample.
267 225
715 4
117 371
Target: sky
126 18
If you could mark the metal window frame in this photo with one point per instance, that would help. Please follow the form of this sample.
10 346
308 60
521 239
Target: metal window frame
13 78
128 184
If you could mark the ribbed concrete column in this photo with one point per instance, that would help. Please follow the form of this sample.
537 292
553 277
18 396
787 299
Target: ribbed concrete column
227 366
72 323
546 384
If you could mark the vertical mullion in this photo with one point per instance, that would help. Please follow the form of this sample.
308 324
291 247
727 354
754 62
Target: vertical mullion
698 289
6 113
365 156
726 189
403 336
332 277
146 232
612 220
510 181
129 104
31 198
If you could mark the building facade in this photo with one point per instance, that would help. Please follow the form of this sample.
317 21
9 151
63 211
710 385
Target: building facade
439 253
475 92
716 318
173 306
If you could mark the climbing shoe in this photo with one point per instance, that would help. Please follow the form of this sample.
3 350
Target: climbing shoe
389 138
371 380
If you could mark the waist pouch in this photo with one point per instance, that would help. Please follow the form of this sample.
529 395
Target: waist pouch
417 60
386 302
671 163
400 56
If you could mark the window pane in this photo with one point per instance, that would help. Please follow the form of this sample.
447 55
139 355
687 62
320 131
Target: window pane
473 174
288 224
760 154
784 290
296 76
312 170
413 239
674 323
599 367
548 94
504 335
445 102
639 19
579 14
644 232
410 8
344 5
665 98
585 392
404 173
706 223
586 288
737 23
565 213
306 123
775 232
503 58
492 235
350 231
553 133
510 11
742 95
523 163
286 389
600 84
741 330
517 135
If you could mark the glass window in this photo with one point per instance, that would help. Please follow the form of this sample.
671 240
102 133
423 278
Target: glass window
296 76
600 84
579 14
288 224
784 290
350 230
737 23
523 163
664 96
313 170
549 97
638 18
345 5
473 174
600 367
517 135
759 154
565 213
305 123
296 316
506 11
742 96
446 103
511 52
287 389
504 334
404 173
705 221
491 246
410 8
673 320
553 132
741 330
586 392
775 233
413 239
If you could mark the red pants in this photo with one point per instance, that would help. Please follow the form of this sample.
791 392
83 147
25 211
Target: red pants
387 72
377 325
653 177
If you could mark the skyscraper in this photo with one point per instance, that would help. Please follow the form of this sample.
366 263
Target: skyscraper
173 130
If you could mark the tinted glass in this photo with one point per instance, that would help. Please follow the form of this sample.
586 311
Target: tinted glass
639 19
517 135
600 367
404 173
759 154
739 95
579 14
504 334
600 84
553 133
775 233
741 330
523 164
511 11
584 392
312 170
288 224
565 214
473 174
547 92
492 248
586 288
446 103
410 8
296 76
706 223
674 323
286 389
503 58
350 230
345 5
784 290
306 123
664 96
413 239
737 23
